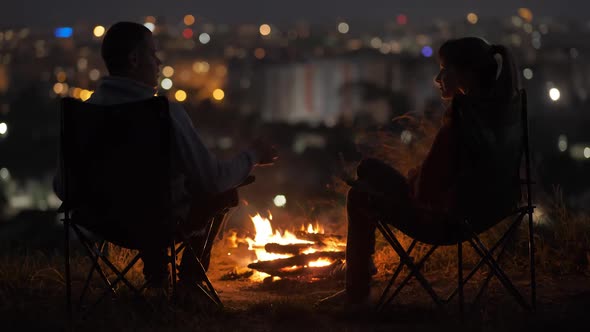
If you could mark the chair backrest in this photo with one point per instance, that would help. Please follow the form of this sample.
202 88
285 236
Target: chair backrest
116 162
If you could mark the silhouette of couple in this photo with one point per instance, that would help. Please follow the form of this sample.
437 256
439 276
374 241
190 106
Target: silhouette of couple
475 150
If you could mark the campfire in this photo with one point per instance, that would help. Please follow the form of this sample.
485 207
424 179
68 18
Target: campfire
307 252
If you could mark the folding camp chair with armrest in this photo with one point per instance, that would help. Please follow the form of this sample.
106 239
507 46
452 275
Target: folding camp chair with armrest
116 180
465 232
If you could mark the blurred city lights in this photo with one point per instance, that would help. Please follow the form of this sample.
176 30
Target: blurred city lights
4 173
85 94
526 14
167 71
562 143
94 74
151 26
587 152
218 94
166 84
265 29
516 21
3 128
98 31
401 19
63 32
82 64
343 27
180 95
527 73
554 94
150 19
76 92
427 51
61 76
259 53
280 200
406 137
187 33
376 42
472 18
58 88
528 28
189 20
204 38
200 66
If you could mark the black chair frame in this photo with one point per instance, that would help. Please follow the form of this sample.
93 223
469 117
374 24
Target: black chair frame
97 251
489 257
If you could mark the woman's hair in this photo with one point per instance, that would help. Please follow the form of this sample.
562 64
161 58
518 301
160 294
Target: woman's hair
119 41
492 66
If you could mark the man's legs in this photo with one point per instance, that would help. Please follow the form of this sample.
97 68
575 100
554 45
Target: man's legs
155 266
201 213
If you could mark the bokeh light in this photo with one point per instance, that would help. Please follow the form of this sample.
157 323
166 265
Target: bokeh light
265 29
180 95
98 31
527 73
85 94
562 143
166 84
187 33
200 67
151 26
526 14
94 74
259 53
343 27
427 51
280 200
218 94
472 18
3 128
554 94
189 20
401 19
167 71
204 38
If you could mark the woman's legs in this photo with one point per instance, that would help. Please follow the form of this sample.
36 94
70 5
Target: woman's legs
364 210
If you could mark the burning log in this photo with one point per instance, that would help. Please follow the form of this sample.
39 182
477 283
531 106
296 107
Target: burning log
299 260
293 249
319 238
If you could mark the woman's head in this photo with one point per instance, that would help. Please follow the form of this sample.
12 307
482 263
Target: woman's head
472 66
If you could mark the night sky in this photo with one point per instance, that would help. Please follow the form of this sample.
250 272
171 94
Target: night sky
61 12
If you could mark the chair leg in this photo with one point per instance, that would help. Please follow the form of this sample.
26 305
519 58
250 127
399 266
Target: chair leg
532 261
66 222
414 270
94 267
460 278
381 303
489 260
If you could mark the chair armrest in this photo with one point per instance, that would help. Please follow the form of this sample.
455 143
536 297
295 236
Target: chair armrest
249 180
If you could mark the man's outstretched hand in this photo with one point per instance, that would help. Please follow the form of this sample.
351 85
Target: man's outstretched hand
267 154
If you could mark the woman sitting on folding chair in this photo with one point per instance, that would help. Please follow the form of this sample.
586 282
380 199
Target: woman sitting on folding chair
471 166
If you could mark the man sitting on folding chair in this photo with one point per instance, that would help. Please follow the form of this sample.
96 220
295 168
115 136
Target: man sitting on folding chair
472 164
202 185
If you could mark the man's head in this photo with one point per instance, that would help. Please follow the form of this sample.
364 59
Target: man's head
128 50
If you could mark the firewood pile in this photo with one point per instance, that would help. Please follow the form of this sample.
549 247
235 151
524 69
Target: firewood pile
319 258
